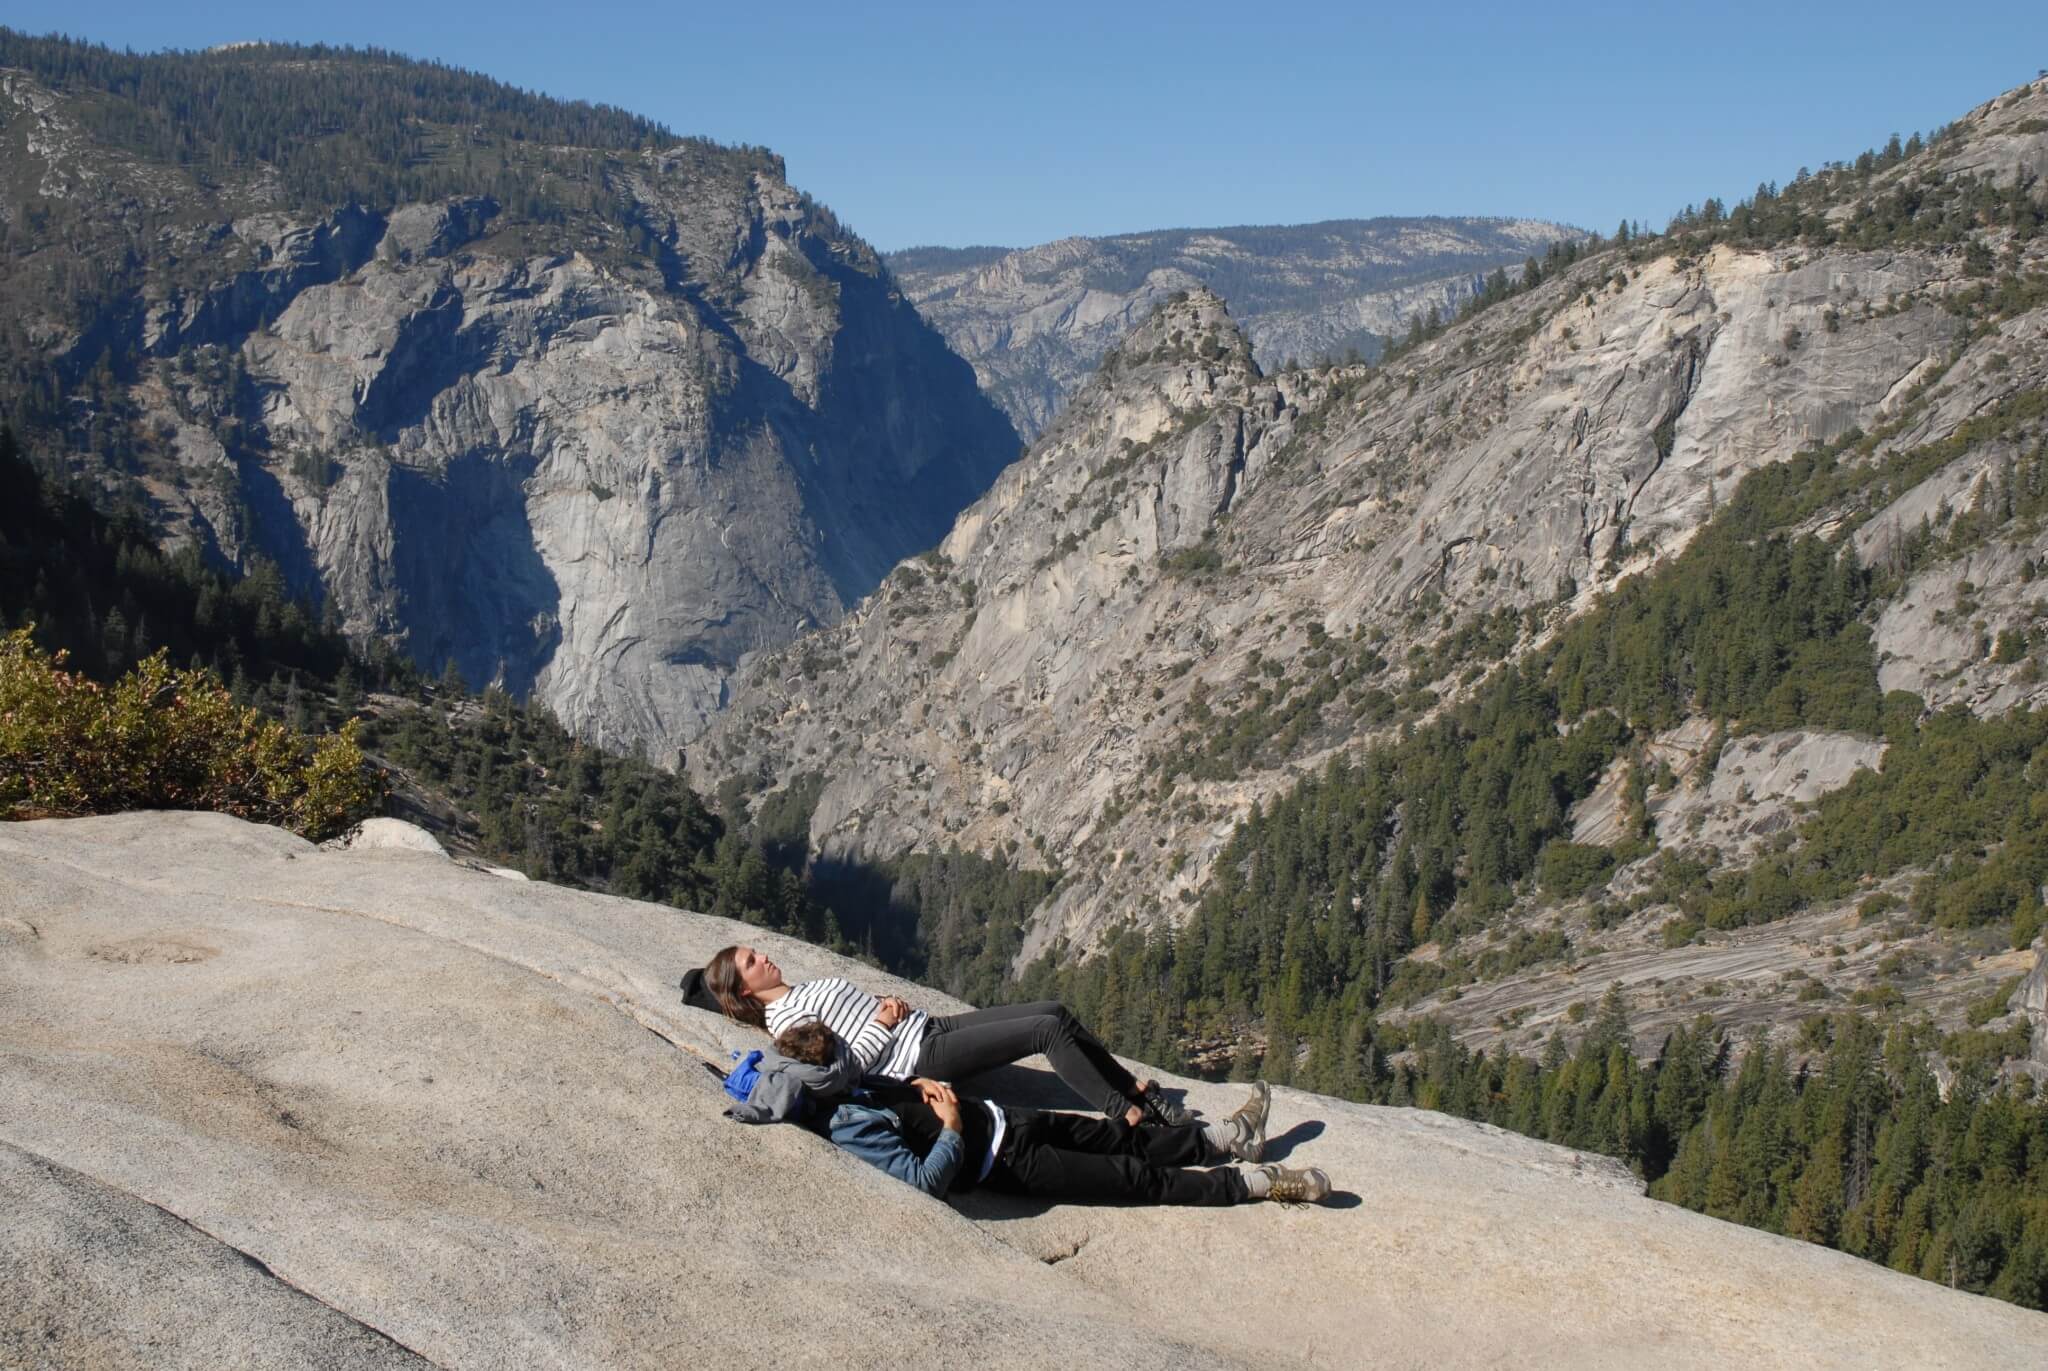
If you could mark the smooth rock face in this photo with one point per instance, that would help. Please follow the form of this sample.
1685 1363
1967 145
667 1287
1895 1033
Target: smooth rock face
395 834
584 463
2031 999
467 1118
1754 786
585 487
99 1277
1036 321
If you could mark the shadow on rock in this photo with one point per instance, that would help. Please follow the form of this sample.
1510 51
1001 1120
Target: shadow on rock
1025 1088
1280 1148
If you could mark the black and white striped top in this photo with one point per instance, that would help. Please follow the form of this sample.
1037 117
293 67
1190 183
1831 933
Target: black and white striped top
850 1012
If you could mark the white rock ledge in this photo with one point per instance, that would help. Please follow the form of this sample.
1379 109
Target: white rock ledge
448 1116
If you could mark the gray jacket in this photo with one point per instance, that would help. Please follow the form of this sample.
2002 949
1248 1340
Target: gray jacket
778 1094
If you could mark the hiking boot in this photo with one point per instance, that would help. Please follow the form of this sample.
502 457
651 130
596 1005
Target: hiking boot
1248 1122
1287 1186
1159 1109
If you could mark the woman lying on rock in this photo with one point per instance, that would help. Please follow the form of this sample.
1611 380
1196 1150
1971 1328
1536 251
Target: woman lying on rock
922 1133
889 1038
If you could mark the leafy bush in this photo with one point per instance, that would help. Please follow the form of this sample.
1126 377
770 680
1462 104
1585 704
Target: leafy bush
1568 869
160 738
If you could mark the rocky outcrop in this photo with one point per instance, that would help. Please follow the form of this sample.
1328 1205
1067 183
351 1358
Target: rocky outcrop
1195 546
1035 321
2031 1000
385 1111
594 458
1558 442
1756 789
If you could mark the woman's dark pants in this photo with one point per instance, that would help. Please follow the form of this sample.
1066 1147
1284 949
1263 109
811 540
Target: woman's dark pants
962 1045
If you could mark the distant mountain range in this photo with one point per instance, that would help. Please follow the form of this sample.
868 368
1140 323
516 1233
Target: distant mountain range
1035 321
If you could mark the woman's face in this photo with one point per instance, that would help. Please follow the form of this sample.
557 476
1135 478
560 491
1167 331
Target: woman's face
757 973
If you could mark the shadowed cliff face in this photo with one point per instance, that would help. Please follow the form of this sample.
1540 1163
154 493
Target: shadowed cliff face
595 459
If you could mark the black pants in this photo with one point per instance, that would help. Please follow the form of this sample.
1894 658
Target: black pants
1107 1161
961 1045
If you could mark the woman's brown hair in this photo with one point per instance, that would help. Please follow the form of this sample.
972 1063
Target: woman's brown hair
722 979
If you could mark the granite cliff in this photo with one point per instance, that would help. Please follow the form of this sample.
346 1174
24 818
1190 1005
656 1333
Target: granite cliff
1205 580
263 1103
1035 321
587 409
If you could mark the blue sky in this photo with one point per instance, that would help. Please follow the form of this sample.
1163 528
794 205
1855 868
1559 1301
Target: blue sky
956 123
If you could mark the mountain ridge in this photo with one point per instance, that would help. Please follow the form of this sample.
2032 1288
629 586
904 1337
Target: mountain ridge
1104 698
589 420
1035 321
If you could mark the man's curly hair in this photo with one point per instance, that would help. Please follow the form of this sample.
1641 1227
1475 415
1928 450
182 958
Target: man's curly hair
809 1042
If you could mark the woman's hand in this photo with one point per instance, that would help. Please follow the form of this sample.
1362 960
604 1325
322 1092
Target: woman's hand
941 1098
892 1012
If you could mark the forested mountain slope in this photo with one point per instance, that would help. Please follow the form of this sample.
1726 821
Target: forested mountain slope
1663 636
541 389
1205 585
1035 321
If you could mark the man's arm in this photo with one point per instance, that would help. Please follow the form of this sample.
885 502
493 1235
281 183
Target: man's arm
874 1136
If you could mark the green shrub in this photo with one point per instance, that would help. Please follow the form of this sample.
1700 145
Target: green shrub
1568 869
2027 921
1677 932
1193 562
1994 1005
161 738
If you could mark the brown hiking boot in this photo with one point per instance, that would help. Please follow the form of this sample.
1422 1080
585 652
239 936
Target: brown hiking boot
1248 1121
1306 1186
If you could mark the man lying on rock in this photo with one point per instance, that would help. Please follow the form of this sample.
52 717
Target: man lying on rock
922 1133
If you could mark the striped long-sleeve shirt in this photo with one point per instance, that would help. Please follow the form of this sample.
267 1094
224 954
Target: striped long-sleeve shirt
851 1012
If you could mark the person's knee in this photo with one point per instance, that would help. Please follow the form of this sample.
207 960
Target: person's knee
1060 1027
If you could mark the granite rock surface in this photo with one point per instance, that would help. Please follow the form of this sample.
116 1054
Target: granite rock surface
262 1103
1196 542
